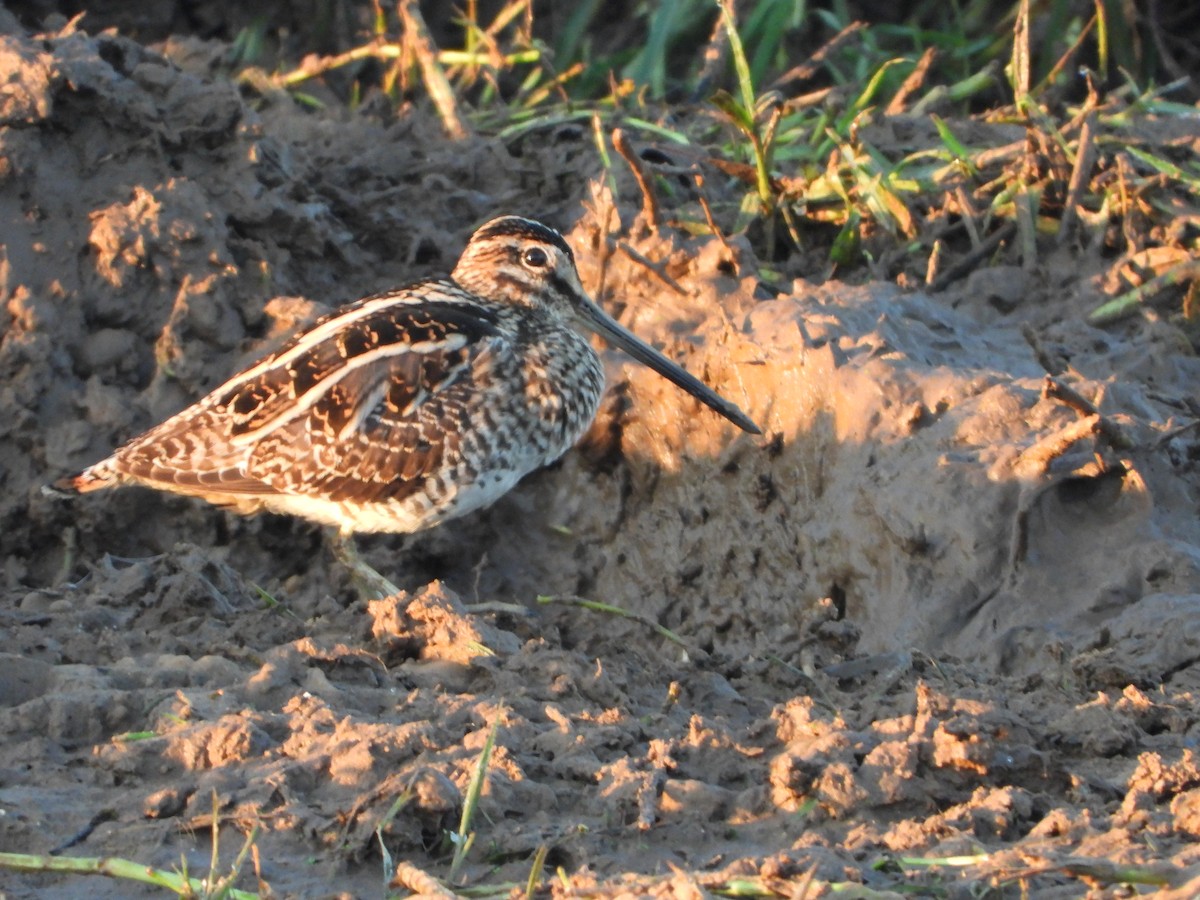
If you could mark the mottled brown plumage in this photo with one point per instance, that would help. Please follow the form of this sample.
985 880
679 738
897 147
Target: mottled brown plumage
406 408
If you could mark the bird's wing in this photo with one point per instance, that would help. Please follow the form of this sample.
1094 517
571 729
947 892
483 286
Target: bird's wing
355 398
383 429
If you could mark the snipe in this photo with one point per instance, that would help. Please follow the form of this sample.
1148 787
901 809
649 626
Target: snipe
406 408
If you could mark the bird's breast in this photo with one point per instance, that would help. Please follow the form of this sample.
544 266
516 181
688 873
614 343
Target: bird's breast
544 393
564 380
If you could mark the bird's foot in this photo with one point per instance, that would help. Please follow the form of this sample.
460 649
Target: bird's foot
369 584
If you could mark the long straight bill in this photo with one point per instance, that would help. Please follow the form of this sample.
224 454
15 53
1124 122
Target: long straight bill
608 328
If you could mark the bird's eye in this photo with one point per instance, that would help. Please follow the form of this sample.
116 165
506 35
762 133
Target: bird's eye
535 258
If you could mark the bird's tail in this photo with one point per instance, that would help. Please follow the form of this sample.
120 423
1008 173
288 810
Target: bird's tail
93 478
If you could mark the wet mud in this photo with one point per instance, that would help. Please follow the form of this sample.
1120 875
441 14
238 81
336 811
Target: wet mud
934 611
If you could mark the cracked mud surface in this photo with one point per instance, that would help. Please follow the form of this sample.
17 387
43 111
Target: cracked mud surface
910 629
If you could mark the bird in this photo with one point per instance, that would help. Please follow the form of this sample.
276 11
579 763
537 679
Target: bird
407 408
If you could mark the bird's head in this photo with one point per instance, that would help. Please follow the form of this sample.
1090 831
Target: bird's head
522 262
526 263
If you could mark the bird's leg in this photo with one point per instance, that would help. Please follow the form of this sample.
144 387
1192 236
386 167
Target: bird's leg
369 583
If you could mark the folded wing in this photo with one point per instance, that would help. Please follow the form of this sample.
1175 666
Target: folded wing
365 405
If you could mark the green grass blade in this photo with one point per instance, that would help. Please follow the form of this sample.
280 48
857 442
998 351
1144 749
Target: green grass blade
571 38
956 147
465 837
767 24
868 93
1102 39
740 115
597 606
1166 167
114 867
738 52
649 66
535 871
1126 304
657 130
389 868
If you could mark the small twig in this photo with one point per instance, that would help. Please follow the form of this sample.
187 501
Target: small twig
814 98
418 881
224 604
1036 460
649 201
603 209
416 32
969 214
1066 58
596 606
716 51
708 214
911 84
1085 158
555 85
497 606
1020 64
743 172
996 156
1172 433
1032 464
972 259
1053 389
1051 366
315 66
812 65
935 262
655 268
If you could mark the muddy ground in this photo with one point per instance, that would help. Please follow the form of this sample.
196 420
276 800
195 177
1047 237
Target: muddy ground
924 615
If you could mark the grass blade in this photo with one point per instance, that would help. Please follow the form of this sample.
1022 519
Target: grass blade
465 837
115 867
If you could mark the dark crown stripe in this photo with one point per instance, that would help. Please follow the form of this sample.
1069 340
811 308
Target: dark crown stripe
515 226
